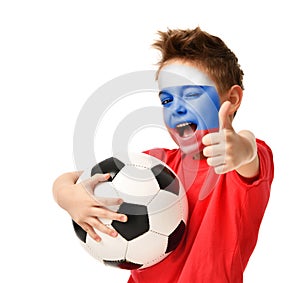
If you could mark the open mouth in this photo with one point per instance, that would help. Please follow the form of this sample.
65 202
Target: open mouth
186 129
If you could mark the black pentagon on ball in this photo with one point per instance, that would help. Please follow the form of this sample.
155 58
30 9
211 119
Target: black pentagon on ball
137 221
81 234
166 179
175 237
110 165
123 264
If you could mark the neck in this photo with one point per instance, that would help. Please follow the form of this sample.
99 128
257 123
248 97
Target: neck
199 155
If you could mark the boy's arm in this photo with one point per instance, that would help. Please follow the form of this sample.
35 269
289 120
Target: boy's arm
251 168
227 150
85 209
61 184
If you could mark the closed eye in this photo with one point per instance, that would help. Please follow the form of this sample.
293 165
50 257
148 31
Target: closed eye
193 92
192 95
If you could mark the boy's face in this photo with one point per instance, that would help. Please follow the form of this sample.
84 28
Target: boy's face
190 103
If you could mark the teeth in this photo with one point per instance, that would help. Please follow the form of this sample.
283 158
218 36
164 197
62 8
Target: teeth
183 125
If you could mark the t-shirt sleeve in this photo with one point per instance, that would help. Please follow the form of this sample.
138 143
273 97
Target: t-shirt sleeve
252 199
159 153
266 164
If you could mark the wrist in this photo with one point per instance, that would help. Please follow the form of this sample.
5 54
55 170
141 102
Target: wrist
249 145
249 168
60 196
62 187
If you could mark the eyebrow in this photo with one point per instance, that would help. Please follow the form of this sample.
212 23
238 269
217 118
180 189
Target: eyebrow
195 87
162 92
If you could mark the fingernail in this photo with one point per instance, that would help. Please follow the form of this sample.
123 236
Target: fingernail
106 175
124 218
114 234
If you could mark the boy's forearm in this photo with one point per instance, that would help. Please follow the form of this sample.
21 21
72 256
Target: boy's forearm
250 169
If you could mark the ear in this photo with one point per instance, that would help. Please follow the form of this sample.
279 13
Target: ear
235 96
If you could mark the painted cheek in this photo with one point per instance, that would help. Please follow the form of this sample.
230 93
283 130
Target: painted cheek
167 116
207 113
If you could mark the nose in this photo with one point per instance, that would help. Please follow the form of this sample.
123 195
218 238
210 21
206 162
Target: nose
180 109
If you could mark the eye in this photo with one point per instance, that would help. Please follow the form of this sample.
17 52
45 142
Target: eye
165 98
166 101
193 92
193 95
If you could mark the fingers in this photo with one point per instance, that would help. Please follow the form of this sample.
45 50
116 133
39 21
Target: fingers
97 212
219 164
93 223
96 224
90 183
91 232
104 201
215 151
108 214
96 179
215 157
212 138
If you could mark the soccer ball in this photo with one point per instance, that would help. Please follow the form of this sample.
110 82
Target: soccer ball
156 207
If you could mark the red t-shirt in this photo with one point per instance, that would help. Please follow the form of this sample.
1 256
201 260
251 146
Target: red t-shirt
222 226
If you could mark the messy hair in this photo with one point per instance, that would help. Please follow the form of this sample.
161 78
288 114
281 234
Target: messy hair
208 52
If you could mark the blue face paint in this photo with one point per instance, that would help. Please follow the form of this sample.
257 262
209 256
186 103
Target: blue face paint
190 112
198 105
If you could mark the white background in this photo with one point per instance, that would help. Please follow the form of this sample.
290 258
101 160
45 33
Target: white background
55 54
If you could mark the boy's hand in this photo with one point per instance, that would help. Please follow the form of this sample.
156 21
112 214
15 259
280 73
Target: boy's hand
85 209
227 150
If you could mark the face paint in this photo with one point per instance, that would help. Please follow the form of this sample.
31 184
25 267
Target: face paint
180 75
191 105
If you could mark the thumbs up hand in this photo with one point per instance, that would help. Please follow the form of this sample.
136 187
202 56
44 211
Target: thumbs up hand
227 150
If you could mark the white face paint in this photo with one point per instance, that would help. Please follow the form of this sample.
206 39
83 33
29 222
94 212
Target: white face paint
180 74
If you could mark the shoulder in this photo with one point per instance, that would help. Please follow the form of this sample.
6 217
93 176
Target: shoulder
262 144
163 153
166 155
266 162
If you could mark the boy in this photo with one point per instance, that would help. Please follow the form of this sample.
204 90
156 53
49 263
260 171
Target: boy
201 89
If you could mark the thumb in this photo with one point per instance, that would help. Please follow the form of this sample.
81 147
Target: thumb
224 116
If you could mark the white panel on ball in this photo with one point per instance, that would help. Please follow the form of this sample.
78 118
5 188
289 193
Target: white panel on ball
149 254
165 213
108 248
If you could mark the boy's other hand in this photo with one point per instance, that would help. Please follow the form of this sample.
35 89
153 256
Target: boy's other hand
85 209
227 150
